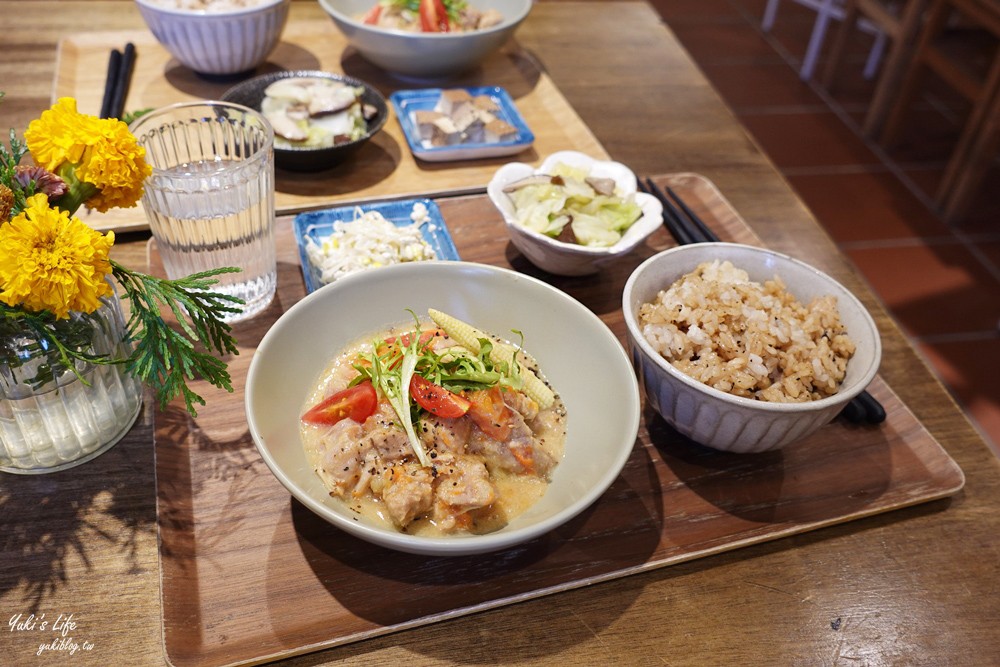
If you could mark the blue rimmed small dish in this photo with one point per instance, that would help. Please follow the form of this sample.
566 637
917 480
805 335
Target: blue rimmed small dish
318 225
406 102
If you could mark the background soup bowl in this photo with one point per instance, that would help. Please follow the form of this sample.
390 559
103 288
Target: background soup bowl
578 354
425 55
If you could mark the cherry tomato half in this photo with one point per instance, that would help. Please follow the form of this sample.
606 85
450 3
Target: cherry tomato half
436 399
433 16
373 15
357 403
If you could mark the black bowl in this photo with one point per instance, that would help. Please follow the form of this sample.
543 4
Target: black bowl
250 93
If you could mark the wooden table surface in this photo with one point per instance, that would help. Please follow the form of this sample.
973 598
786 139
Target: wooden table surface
916 586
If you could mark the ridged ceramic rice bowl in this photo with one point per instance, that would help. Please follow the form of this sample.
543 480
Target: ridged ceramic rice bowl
233 40
717 399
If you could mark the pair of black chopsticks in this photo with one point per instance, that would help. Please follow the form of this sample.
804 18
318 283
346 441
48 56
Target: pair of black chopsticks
686 227
116 85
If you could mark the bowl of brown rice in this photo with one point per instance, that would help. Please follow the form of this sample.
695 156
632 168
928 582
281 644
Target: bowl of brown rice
744 349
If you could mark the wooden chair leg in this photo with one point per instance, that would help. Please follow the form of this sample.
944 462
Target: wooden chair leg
955 202
901 53
839 46
913 74
976 149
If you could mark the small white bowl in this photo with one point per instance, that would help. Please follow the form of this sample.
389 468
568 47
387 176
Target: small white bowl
581 357
425 55
570 259
724 421
218 43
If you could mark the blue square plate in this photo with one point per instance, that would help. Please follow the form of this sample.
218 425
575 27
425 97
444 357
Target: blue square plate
405 102
318 225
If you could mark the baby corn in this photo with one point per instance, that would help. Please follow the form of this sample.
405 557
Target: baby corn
468 336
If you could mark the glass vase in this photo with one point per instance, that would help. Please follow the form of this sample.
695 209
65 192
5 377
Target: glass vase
50 418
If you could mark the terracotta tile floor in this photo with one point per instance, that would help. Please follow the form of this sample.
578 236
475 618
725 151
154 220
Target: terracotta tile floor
940 282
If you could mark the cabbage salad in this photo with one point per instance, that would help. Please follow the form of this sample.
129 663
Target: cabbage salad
571 205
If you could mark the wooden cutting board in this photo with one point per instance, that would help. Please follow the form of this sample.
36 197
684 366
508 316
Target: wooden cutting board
382 169
249 574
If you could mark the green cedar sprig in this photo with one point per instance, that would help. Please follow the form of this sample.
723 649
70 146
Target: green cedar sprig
165 358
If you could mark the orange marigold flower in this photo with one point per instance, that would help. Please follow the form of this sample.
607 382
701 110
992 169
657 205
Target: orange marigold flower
50 261
101 151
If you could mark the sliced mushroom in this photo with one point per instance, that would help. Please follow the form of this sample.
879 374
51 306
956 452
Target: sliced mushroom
534 179
316 110
328 99
286 127
602 186
297 111
566 234
295 89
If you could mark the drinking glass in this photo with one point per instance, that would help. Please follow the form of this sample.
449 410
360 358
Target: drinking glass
210 199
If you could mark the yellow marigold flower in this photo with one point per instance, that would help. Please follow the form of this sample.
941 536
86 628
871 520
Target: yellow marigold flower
50 261
101 151
116 164
57 136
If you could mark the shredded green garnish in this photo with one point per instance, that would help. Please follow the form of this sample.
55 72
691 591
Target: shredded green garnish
456 369
452 7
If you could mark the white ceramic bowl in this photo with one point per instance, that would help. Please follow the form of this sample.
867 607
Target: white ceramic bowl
570 259
593 376
218 43
425 55
724 421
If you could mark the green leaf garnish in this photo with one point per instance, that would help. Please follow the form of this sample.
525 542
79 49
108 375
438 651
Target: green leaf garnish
456 369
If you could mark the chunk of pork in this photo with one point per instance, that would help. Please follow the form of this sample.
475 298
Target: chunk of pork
520 453
342 456
521 403
388 439
463 484
407 491
444 435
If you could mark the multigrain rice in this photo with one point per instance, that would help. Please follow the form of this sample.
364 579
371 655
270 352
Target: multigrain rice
208 5
749 339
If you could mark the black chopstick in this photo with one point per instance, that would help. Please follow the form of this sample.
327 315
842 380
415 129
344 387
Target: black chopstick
686 227
706 233
114 65
673 223
119 78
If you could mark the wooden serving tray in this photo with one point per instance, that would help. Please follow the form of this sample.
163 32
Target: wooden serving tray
384 168
248 574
